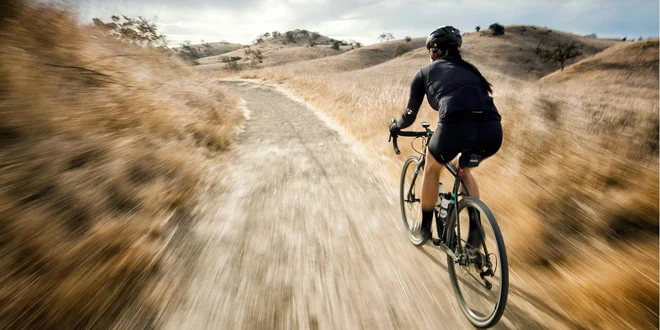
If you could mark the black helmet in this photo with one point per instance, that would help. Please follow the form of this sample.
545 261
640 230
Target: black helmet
444 35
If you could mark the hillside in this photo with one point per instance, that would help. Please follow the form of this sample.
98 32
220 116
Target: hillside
218 48
511 56
212 48
515 55
103 157
294 38
273 55
630 64
302 45
357 58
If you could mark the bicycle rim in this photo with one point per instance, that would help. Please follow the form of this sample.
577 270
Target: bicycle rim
410 199
482 306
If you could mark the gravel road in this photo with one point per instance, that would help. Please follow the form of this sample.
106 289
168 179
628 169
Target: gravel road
305 234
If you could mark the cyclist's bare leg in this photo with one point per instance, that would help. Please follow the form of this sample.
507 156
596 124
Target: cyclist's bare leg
431 181
471 183
468 178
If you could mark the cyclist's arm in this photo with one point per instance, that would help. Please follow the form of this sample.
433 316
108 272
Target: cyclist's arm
417 92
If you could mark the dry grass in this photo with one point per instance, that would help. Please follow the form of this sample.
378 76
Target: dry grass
274 55
630 64
221 47
575 186
355 59
101 143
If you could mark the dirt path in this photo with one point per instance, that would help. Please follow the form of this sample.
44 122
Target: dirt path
304 235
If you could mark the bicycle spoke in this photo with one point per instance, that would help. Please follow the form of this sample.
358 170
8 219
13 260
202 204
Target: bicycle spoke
477 278
410 202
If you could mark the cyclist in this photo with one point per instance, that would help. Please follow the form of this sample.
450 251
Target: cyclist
468 120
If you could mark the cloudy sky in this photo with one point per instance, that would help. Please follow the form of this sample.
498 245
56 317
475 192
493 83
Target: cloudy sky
363 20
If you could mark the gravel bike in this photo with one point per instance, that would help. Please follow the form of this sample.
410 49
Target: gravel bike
476 261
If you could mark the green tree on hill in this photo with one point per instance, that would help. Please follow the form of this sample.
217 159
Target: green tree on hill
290 37
497 29
478 28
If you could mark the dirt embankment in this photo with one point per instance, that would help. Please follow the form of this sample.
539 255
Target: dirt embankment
103 149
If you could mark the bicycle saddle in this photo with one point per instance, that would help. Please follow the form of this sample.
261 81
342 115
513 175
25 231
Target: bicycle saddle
469 159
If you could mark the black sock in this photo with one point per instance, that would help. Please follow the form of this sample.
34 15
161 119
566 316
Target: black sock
427 217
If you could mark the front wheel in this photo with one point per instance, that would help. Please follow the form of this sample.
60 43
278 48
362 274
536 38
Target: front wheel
410 199
479 274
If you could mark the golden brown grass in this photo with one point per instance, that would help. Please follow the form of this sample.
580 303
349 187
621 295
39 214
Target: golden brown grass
274 55
632 64
574 187
100 144
349 60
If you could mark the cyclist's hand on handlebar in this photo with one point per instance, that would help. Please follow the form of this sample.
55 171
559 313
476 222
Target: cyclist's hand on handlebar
394 129
394 132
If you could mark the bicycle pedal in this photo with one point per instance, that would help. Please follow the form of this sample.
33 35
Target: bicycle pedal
436 241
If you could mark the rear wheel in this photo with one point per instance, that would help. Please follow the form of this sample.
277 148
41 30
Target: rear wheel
479 274
410 199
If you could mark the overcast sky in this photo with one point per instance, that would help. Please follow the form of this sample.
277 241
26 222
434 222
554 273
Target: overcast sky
363 20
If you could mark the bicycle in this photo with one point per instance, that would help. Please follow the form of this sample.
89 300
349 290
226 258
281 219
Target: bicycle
461 253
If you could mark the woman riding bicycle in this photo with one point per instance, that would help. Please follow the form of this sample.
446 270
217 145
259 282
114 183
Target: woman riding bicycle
469 119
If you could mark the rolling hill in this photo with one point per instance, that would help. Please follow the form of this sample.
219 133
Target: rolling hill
215 48
512 55
302 46
356 59
274 55
630 64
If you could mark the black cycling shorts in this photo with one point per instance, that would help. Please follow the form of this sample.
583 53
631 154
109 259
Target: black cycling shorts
451 138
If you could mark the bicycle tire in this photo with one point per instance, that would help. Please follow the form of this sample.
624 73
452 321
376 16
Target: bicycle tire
403 189
494 317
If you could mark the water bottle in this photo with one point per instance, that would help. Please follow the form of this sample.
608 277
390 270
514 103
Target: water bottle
438 209
444 206
441 210
441 192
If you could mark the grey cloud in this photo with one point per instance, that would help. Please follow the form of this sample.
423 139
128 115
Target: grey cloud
414 17
609 17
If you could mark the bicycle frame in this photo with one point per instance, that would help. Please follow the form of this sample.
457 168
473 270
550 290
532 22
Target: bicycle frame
458 183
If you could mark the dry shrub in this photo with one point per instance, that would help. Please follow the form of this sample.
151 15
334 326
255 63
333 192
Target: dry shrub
574 187
100 142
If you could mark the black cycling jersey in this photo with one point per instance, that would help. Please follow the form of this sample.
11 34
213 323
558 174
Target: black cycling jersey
452 89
